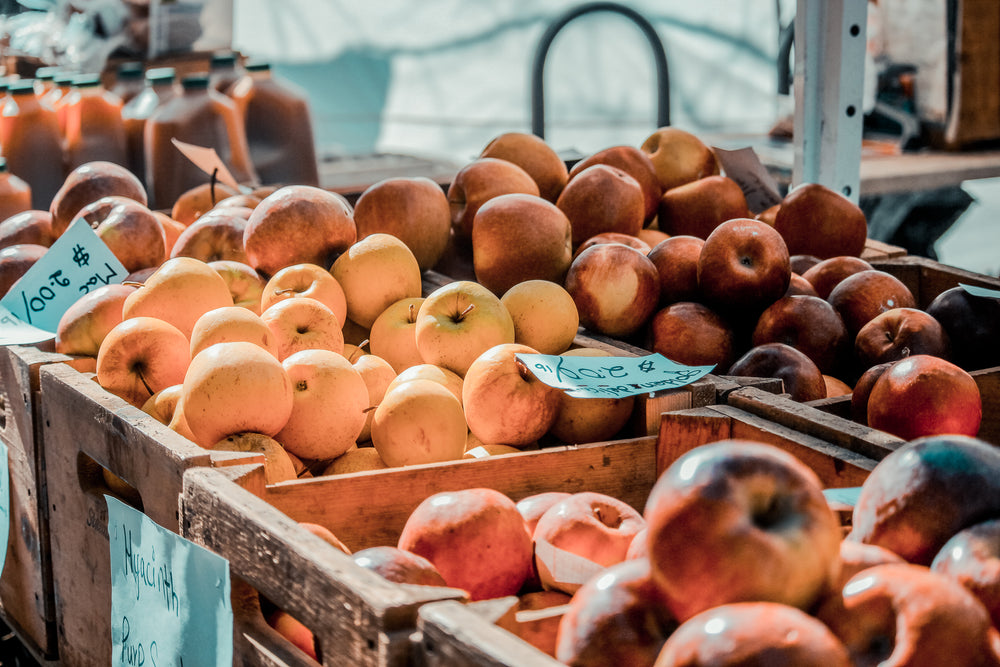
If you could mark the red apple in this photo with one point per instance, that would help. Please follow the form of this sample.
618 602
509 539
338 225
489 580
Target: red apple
698 207
692 334
743 267
88 183
134 234
601 199
972 324
478 182
863 295
863 390
593 525
613 237
32 226
807 323
802 379
972 557
534 156
636 164
676 261
213 237
475 538
815 220
898 333
539 632
534 506
925 395
679 156
799 286
85 324
738 520
617 618
825 274
15 261
921 494
616 288
402 567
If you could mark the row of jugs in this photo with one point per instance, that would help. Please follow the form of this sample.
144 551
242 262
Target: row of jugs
259 126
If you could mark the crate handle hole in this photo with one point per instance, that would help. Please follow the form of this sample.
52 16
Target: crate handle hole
97 480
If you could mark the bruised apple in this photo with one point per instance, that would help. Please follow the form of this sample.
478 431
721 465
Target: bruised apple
753 511
446 528
616 288
925 395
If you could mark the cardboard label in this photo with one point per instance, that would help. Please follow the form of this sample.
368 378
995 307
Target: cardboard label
169 597
744 166
980 291
565 570
209 162
4 503
77 262
611 377
847 496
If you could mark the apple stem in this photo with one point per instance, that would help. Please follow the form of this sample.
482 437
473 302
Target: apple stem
597 513
412 314
522 369
369 409
468 309
284 290
904 352
211 184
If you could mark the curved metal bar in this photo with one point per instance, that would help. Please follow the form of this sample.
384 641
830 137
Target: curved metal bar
538 67
786 39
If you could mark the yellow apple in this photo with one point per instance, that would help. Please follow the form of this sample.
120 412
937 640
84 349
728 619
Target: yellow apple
419 422
544 314
376 272
378 374
393 334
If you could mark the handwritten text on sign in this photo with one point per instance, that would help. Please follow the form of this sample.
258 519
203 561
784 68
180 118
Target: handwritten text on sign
611 377
77 263
15 332
169 597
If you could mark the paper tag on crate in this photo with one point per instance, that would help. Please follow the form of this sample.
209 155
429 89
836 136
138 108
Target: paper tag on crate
842 498
169 597
563 570
209 162
744 166
611 377
4 503
15 332
975 290
78 262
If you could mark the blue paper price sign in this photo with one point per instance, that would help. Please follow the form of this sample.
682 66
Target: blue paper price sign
611 377
981 291
4 503
15 332
77 263
169 597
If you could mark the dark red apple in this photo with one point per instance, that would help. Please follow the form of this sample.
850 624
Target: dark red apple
807 323
692 334
898 333
863 295
802 379
676 260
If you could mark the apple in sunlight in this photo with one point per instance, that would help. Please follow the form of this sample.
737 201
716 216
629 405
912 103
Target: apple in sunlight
419 421
85 324
532 154
310 280
593 525
140 356
393 335
616 289
636 164
480 181
679 156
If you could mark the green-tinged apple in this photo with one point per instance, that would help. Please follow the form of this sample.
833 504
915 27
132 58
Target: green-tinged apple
309 280
503 400
519 237
85 324
736 521
329 400
446 527
139 357
544 314
246 286
413 209
419 421
375 273
459 321
393 335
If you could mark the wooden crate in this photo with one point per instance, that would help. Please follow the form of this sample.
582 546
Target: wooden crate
26 601
253 526
830 418
85 429
927 278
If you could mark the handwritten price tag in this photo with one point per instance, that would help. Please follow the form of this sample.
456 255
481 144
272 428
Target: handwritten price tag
744 167
209 162
4 503
980 291
611 377
169 597
77 262
15 332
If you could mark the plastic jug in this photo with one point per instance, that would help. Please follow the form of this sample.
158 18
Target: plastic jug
224 70
200 116
278 127
128 80
161 86
15 193
31 142
94 129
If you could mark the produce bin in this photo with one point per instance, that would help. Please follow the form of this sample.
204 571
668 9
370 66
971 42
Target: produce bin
927 278
26 601
231 512
87 429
